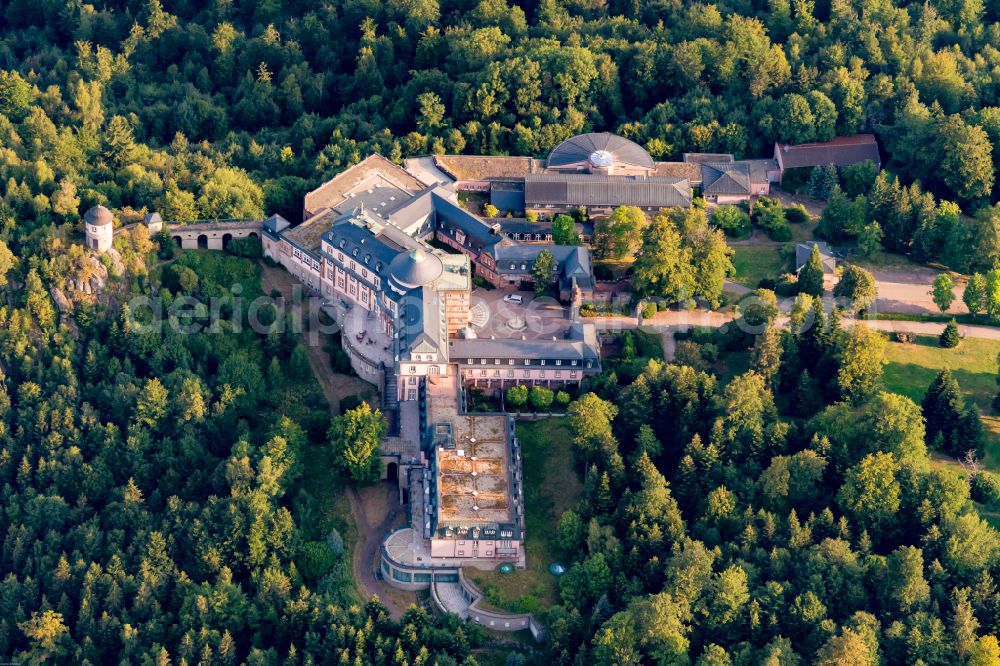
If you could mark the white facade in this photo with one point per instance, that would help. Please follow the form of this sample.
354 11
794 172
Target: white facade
100 236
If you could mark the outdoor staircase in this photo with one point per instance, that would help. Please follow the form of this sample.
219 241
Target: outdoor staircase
479 315
390 402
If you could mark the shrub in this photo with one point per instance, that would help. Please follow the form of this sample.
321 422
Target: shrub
796 214
489 210
249 247
481 282
786 285
340 361
688 353
350 402
562 398
949 336
649 309
986 488
315 560
166 248
905 336
517 396
541 398
531 216
780 232
733 221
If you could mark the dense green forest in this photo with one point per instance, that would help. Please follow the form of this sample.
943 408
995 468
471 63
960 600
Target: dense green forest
152 506
792 515
153 510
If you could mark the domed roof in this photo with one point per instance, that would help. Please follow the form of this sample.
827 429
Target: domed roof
600 149
415 268
98 216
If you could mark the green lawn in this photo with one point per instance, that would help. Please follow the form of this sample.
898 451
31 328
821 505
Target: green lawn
803 232
755 262
551 486
911 368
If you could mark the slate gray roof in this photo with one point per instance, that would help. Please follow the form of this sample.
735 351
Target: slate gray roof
579 344
573 263
415 268
803 250
841 151
597 190
580 147
759 169
478 234
725 178
422 323
98 216
349 235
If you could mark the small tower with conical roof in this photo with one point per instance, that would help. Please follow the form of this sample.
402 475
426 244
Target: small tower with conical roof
98 222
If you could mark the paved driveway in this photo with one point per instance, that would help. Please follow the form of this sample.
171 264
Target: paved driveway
907 290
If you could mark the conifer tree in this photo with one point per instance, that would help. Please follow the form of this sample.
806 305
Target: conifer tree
950 337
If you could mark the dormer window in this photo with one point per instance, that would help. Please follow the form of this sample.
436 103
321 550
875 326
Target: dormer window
355 252
512 267
343 242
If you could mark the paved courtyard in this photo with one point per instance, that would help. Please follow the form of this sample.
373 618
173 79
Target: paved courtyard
535 317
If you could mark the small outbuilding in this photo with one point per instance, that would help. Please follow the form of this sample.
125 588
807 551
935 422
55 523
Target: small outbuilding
804 250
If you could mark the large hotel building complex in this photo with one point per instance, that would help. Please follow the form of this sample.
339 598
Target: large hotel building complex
395 254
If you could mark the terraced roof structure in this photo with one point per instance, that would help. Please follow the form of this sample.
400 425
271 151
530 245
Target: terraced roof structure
474 477
605 149
388 183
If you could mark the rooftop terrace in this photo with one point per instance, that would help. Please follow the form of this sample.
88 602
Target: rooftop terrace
474 476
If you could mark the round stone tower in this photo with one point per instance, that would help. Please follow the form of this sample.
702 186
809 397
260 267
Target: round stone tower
99 228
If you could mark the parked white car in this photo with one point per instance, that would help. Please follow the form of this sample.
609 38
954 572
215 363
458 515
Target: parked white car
514 298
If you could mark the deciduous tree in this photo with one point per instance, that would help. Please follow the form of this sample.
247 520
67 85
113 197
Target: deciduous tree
354 439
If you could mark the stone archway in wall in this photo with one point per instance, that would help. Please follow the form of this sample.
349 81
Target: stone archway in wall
225 240
177 241
203 242
392 473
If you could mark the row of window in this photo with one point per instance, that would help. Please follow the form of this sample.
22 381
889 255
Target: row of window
304 258
526 361
557 374
530 237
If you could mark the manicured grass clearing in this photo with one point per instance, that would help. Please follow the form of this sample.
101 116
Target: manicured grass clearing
551 486
803 232
964 318
911 368
755 262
